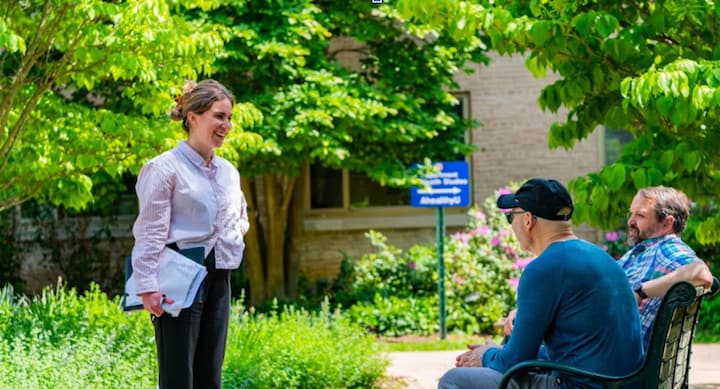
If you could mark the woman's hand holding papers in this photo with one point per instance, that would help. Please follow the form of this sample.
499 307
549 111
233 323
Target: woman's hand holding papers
153 301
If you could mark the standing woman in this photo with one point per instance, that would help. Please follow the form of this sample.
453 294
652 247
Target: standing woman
190 197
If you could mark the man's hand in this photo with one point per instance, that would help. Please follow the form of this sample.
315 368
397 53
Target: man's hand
153 301
697 273
509 322
473 357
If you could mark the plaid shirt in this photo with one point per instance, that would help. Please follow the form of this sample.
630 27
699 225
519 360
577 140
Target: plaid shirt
650 259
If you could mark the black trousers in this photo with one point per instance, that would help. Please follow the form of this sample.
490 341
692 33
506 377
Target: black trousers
191 347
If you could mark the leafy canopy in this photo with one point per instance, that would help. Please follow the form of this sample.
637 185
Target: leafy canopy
648 67
376 113
86 87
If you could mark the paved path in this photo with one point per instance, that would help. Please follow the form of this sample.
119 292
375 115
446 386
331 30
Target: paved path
422 369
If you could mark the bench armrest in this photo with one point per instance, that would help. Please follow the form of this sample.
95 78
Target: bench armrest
557 367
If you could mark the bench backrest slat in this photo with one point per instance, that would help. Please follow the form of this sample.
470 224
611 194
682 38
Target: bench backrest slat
667 362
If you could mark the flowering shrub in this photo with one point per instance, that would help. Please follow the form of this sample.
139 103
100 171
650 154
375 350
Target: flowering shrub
482 263
615 243
391 272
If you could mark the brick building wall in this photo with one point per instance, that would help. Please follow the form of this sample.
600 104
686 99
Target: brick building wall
513 136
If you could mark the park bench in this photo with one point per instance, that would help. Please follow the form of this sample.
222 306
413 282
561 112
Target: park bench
667 361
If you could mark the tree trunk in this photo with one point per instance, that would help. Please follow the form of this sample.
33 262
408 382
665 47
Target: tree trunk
295 228
253 247
278 192
269 271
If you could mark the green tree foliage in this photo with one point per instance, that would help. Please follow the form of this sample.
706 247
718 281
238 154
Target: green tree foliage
85 86
377 116
650 67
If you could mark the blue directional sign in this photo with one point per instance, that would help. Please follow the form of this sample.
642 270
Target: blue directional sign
448 187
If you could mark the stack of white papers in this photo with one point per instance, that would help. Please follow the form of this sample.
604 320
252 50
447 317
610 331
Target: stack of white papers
179 279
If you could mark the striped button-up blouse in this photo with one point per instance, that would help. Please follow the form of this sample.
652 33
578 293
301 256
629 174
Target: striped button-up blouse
185 201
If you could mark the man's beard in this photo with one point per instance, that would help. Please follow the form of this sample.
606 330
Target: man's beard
640 235
634 240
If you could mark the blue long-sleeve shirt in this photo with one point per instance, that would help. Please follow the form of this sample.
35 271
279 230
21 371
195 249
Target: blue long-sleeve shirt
576 299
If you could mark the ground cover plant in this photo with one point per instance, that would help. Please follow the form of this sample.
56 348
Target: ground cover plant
63 339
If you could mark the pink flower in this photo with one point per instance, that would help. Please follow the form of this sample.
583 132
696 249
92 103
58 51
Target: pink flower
522 263
459 279
504 190
482 230
504 233
612 236
514 282
604 247
462 237
508 250
495 241
479 215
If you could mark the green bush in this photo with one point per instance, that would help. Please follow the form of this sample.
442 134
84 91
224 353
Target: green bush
708 326
397 316
85 363
393 292
60 339
296 349
391 272
615 243
482 264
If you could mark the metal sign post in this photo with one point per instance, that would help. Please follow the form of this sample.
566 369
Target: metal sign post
448 187
441 269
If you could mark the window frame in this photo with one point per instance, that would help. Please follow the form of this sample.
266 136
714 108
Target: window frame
405 216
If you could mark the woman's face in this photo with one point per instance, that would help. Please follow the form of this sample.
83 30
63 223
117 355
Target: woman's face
209 129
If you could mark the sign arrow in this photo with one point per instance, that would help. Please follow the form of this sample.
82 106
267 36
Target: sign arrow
454 190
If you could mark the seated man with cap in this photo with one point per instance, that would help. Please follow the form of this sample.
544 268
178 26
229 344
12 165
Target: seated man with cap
573 298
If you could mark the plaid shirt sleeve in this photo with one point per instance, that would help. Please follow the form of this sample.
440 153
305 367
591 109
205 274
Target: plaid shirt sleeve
662 259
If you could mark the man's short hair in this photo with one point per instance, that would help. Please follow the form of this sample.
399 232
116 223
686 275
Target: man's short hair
668 201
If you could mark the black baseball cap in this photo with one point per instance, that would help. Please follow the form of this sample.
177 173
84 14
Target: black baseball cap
548 199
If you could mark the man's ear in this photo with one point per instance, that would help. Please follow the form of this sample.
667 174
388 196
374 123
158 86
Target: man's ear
669 223
529 220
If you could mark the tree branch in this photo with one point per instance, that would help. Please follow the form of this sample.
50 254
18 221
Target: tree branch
288 192
361 50
35 50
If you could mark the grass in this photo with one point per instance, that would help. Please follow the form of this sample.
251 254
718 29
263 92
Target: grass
459 341
430 342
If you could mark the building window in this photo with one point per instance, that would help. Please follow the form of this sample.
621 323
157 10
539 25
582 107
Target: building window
367 193
325 186
615 140
342 189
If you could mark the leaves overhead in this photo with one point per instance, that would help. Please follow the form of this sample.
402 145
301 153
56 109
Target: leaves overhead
344 85
648 67
86 87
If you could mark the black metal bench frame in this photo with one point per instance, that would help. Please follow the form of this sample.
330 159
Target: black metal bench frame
667 361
